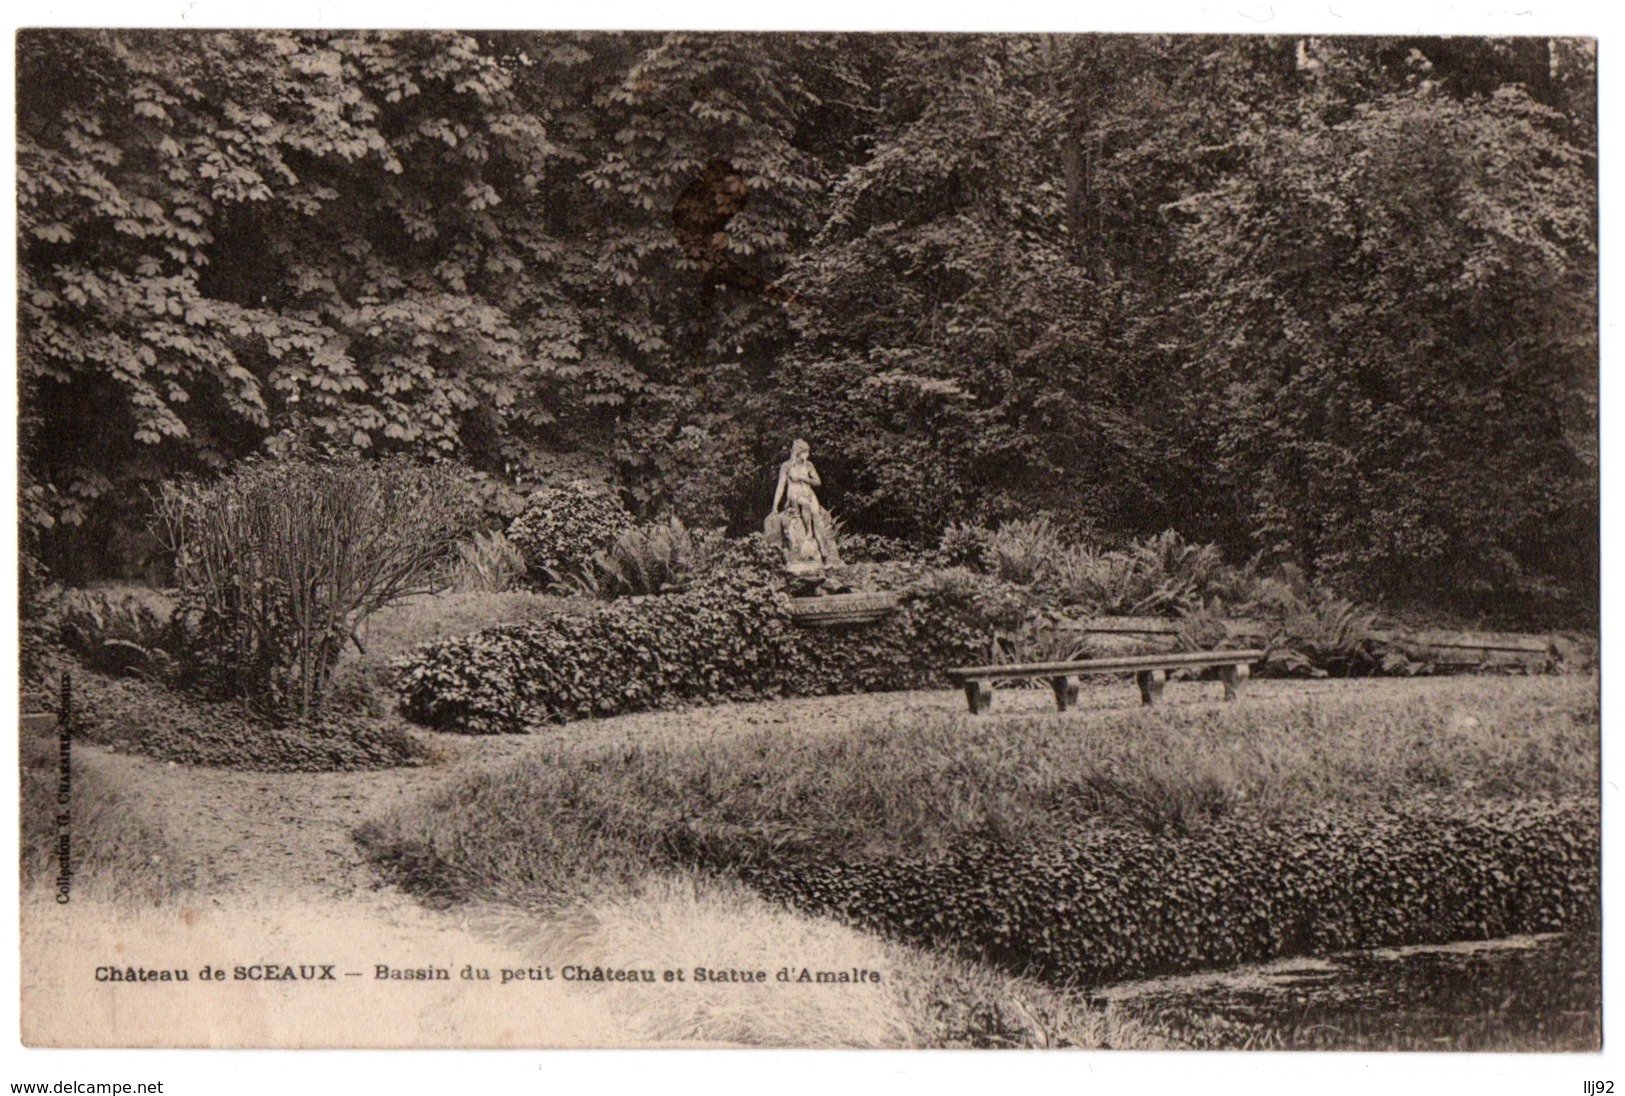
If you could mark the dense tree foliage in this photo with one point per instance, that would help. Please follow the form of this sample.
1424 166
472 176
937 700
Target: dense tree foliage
1330 300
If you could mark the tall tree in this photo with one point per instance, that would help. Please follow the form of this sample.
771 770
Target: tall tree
226 234
1391 338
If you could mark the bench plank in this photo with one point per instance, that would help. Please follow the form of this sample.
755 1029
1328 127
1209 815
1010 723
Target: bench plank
1107 665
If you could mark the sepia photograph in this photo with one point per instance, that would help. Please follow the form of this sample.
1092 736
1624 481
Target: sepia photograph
906 540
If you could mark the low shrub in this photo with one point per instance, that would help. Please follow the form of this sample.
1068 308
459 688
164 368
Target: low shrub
728 637
1040 638
1306 632
1326 635
1109 904
874 548
886 576
1177 573
1155 576
1160 575
140 717
1100 583
116 631
1019 551
965 545
561 529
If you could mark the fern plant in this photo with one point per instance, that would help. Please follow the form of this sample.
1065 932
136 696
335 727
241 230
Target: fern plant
1020 550
487 563
1322 635
655 558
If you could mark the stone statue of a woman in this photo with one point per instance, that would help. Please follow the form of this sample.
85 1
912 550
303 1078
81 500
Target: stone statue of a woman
803 528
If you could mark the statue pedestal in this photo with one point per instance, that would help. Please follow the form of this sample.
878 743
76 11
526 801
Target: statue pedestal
810 581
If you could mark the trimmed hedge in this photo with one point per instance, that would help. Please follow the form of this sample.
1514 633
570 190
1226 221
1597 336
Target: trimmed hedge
727 638
1113 904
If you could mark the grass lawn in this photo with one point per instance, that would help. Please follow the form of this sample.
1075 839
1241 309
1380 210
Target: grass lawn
575 817
597 819
594 820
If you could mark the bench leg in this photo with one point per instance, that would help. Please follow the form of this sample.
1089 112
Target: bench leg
1151 685
1066 692
1234 678
979 694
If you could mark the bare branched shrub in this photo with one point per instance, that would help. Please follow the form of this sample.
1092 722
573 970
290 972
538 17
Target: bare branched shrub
279 562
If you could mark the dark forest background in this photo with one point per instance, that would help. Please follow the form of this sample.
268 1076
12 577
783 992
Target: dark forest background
1328 302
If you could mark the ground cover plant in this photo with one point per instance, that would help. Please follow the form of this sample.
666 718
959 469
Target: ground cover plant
1104 904
953 830
139 716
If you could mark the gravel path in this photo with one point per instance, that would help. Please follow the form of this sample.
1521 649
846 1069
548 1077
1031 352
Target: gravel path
277 834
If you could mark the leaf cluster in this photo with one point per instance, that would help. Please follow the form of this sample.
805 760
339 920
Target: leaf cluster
561 529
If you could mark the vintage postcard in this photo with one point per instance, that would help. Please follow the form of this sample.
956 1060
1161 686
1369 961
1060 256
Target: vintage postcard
824 539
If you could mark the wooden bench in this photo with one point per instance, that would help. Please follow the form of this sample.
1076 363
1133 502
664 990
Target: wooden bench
1151 671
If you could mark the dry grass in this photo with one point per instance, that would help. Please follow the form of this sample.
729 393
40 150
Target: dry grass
114 854
922 999
675 922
